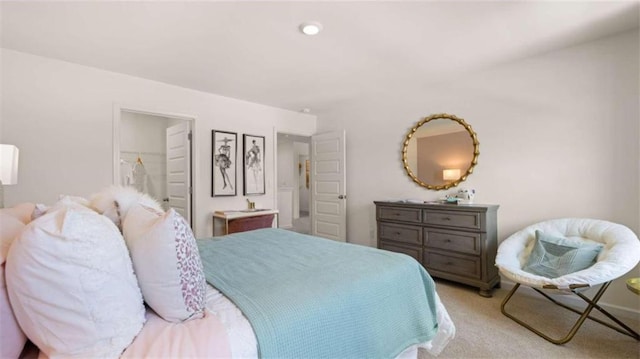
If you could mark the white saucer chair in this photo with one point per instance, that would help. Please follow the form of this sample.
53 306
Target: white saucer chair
619 254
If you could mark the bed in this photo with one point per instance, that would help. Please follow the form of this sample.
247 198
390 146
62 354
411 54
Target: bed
348 300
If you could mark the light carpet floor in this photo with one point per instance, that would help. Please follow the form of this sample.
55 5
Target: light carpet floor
482 331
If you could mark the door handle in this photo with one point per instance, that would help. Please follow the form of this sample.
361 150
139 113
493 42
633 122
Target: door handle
342 196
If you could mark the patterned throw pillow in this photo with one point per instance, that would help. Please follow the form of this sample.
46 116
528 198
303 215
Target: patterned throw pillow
166 261
554 257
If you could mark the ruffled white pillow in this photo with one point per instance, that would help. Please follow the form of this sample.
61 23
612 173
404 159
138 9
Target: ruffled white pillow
166 261
71 284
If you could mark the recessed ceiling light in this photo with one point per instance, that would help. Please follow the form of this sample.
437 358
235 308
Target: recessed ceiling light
310 27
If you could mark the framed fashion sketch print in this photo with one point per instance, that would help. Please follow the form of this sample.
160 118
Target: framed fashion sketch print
253 169
224 149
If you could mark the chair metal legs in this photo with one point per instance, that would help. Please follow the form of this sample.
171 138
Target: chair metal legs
591 304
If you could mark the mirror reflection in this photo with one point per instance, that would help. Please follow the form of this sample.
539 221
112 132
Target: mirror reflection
440 151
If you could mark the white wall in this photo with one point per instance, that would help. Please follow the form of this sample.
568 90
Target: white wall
60 115
559 137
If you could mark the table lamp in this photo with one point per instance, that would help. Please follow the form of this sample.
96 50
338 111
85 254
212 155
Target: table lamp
452 174
8 168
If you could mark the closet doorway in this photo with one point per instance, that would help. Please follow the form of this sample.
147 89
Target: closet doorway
153 153
293 182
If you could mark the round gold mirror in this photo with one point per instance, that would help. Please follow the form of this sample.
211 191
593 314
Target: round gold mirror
440 151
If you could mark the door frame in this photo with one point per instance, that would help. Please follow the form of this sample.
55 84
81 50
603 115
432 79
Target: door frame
117 116
275 160
275 172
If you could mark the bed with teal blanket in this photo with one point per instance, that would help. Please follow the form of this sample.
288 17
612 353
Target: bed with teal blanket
305 296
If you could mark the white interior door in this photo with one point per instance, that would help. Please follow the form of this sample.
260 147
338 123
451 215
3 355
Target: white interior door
179 168
328 186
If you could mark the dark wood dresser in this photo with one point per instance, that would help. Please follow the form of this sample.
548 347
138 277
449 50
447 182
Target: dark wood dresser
227 222
453 242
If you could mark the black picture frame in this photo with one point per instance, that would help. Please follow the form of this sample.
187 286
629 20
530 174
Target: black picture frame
253 164
224 153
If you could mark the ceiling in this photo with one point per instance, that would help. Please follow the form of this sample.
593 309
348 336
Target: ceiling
255 52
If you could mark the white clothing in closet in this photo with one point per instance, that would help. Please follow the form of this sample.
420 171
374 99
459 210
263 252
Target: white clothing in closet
140 177
126 173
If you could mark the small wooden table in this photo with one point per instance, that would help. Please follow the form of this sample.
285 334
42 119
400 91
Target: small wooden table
227 222
633 285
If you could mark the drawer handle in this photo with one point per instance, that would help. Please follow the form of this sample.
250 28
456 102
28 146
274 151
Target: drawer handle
447 240
446 218
448 264
396 214
398 233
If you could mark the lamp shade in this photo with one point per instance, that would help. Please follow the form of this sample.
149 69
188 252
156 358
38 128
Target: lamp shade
8 164
451 174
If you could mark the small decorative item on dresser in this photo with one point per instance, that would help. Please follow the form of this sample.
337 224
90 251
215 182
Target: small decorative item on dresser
466 195
457 243
451 200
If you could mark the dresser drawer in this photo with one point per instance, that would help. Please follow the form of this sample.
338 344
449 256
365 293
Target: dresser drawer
460 265
400 233
457 241
469 220
454 242
415 252
400 214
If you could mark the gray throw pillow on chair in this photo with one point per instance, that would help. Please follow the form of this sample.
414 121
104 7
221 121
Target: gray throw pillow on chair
554 257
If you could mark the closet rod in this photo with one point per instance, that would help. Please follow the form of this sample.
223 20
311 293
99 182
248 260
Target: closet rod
142 153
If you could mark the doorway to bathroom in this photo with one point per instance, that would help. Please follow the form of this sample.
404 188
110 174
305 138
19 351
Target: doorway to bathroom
294 182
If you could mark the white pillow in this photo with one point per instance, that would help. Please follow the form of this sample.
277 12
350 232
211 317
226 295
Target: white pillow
12 339
167 262
115 201
71 285
63 201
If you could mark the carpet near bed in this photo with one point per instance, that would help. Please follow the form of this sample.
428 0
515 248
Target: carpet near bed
308 296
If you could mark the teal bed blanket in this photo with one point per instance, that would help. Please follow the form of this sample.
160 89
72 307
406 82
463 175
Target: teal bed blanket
308 297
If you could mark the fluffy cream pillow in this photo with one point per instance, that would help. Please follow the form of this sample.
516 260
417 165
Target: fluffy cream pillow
167 262
71 285
115 201
12 339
